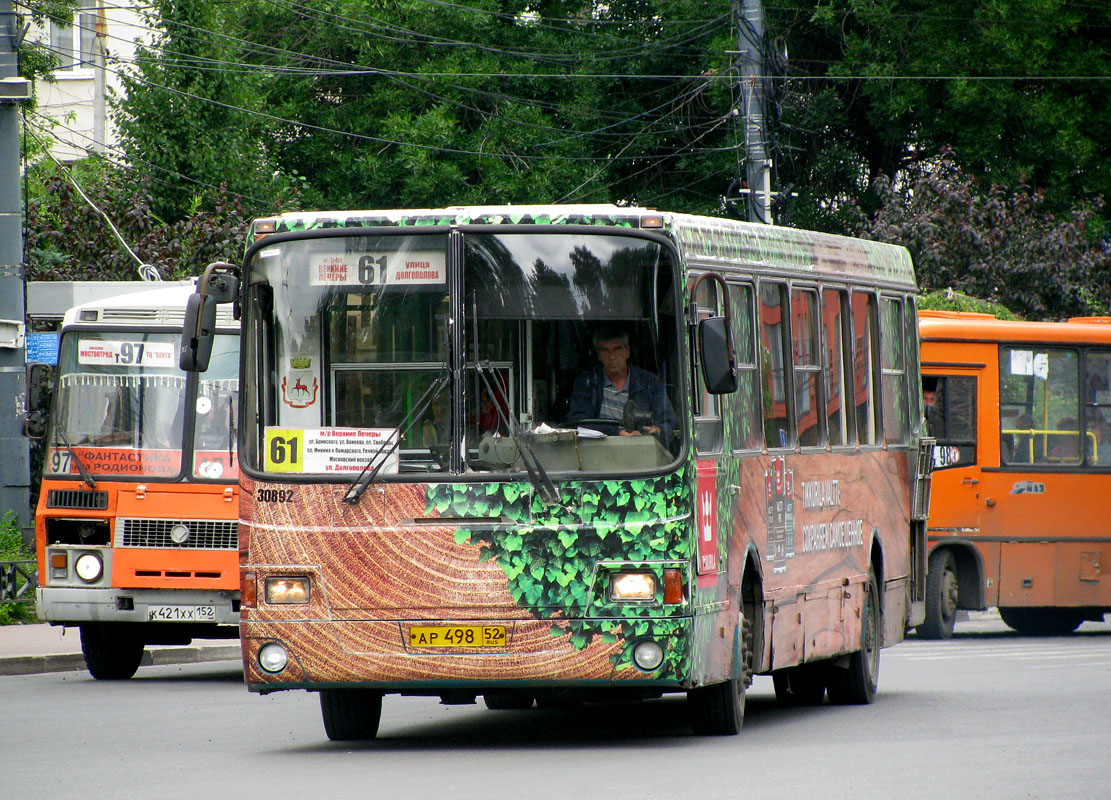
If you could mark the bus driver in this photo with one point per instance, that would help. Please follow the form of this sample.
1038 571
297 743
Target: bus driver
602 391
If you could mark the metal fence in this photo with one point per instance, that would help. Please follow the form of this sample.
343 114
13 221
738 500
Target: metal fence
18 580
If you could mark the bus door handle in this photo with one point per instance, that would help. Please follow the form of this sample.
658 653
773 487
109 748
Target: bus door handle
969 481
734 489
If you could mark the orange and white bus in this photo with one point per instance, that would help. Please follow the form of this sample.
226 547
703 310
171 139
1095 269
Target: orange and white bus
137 522
561 453
1022 417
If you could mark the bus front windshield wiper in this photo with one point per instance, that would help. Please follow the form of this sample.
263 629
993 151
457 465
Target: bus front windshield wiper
538 476
81 470
390 446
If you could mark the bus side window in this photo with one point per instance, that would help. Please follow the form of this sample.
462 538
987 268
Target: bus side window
837 353
865 367
1039 405
1097 409
707 418
779 432
745 402
951 418
896 419
806 352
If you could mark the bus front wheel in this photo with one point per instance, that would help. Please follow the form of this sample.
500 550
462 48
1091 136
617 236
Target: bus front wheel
111 653
856 684
941 597
350 714
719 709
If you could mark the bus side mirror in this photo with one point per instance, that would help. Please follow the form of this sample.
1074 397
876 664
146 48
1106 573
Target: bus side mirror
719 368
197 333
39 377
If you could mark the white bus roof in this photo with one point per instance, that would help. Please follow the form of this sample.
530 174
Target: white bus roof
159 307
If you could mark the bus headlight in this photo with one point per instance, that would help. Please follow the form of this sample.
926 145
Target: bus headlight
272 657
625 586
287 590
88 567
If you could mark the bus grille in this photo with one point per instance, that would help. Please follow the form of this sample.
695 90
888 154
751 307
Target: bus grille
204 534
77 498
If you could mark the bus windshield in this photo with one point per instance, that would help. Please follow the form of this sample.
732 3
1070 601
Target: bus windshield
479 358
121 405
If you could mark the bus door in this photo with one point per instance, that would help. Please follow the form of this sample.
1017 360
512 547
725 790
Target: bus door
951 408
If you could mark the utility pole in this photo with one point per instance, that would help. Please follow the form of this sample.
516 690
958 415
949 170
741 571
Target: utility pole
750 65
15 462
99 99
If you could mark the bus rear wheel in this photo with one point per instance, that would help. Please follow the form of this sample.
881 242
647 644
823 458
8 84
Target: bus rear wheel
942 591
856 684
350 714
1042 621
111 653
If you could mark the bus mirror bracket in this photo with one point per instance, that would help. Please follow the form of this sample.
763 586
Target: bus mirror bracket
39 377
715 342
199 329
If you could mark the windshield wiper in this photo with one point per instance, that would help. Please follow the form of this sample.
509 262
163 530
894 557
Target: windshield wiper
81 470
538 476
379 459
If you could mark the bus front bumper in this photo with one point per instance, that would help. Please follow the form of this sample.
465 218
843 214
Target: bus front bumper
67 604
385 655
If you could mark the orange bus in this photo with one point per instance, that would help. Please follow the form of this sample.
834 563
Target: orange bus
1022 417
556 454
136 528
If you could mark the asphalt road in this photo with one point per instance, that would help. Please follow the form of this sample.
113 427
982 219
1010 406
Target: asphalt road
988 714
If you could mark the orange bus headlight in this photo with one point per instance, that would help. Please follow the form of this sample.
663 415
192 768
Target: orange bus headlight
287 590
625 586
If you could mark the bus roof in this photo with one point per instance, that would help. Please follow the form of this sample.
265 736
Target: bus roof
160 307
708 240
963 326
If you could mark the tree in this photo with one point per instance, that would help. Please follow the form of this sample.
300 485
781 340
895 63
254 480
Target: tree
1002 245
1016 89
388 103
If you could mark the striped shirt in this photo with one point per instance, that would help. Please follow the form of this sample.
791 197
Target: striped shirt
613 401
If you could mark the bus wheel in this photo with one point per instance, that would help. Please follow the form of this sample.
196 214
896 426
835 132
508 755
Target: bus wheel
1041 621
804 685
507 701
856 684
350 714
941 597
111 654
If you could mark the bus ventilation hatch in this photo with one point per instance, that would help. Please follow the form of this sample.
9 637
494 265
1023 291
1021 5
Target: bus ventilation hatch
77 498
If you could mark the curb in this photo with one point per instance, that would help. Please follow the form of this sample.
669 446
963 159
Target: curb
69 662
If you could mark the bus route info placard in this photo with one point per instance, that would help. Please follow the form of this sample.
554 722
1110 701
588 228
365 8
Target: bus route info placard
330 450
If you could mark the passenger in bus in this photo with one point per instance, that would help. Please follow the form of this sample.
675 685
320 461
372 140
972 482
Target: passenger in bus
1018 448
604 390
929 399
1097 441
1066 444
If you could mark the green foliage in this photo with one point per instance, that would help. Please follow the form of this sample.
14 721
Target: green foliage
1016 89
67 238
550 553
996 243
949 300
12 549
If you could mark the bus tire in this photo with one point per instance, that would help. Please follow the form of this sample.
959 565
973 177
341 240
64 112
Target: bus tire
804 685
507 701
941 596
350 714
1041 621
856 684
111 654
719 709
